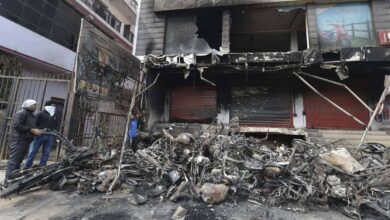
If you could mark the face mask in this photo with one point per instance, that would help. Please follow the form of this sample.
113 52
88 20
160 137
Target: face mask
51 110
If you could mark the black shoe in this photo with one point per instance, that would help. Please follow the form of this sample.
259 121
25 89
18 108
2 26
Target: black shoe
4 184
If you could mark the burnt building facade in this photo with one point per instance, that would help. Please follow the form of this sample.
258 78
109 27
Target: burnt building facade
43 46
294 67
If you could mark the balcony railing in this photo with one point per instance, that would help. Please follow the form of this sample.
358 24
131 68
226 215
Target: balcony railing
133 3
104 13
128 34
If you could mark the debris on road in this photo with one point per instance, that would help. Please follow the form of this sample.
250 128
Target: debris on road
342 159
215 168
179 214
214 193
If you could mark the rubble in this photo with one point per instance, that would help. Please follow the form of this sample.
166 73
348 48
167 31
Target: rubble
342 159
211 166
213 193
106 178
184 138
179 214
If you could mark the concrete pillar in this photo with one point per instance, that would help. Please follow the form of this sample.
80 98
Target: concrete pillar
225 46
299 118
293 41
224 115
311 26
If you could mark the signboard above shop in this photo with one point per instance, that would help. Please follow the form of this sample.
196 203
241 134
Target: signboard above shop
345 25
384 38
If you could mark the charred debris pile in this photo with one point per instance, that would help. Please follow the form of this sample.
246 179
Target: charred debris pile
215 167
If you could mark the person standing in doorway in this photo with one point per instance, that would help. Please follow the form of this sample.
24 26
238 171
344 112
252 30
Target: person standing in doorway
22 133
46 121
133 131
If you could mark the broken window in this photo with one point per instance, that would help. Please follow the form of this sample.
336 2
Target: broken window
210 28
193 33
268 30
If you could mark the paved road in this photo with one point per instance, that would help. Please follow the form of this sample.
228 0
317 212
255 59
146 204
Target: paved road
46 204
68 205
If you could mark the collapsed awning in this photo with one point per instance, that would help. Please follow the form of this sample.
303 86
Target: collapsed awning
271 61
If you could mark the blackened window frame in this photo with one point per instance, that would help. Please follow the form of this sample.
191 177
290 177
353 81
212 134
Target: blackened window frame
127 33
62 17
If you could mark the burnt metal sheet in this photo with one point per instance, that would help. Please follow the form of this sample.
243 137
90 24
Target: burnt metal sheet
189 103
286 60
378 54
269 57
264 106
322 115
312 57
163 5
366 54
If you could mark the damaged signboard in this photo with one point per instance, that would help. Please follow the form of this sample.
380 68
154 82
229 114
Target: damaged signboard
345 25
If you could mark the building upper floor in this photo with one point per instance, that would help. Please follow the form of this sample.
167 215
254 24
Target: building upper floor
60 20
116 18
164 5
200 27
52 19
48 31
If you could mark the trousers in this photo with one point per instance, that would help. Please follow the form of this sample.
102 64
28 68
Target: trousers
132 142
46 141
17 152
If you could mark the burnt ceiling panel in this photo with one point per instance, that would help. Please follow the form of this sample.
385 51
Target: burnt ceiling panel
253 30
250 20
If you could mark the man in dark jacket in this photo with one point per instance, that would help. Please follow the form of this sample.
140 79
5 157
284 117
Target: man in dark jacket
22 133
47 121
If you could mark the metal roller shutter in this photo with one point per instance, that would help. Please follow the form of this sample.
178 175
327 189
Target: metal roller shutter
263 106
321 114
190 103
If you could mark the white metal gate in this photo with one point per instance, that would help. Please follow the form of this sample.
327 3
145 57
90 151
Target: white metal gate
15 89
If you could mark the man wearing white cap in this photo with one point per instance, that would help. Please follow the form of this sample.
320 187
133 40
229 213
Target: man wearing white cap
22 133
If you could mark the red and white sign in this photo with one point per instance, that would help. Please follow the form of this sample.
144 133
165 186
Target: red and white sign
384 38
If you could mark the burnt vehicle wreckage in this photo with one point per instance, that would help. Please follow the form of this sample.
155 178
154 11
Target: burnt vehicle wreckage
218 163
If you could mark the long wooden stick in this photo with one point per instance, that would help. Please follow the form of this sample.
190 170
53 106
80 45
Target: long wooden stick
136 93
328 100
341 85
378 105
132 103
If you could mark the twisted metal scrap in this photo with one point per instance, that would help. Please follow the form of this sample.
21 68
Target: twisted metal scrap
275 175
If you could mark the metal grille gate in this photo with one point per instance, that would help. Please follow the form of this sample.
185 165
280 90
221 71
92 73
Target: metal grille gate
15 89
102 117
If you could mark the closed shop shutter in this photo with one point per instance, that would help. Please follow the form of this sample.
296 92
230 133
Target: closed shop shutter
262 106
189 103
321 114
